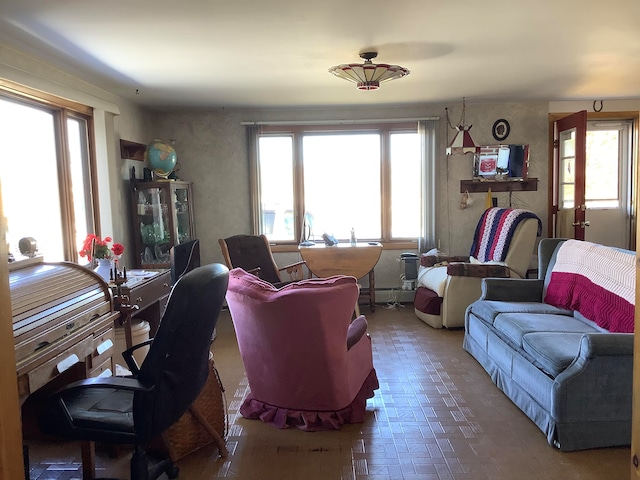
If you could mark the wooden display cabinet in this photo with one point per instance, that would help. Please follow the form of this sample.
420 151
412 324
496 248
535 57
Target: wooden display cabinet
162 213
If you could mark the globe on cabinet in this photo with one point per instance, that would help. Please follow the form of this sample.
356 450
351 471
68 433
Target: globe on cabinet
160 157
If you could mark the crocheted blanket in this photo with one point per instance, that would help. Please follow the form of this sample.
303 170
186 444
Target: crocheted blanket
597 281
495 231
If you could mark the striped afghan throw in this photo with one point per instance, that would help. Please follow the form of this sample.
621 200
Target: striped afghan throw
495 231
597 281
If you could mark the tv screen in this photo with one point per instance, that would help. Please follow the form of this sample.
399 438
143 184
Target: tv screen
184 257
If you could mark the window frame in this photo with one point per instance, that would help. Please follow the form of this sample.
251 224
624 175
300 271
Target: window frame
63 109
384 129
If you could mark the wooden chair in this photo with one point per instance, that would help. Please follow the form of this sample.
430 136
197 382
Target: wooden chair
253 254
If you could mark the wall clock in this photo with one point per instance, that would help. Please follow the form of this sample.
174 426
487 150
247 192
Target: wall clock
501 129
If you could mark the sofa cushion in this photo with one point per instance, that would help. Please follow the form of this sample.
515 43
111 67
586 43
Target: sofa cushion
515 325
488 310
552 352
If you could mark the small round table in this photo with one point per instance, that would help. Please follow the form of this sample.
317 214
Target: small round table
344 259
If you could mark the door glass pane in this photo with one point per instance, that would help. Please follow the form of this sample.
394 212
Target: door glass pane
567 192
405 185
567 172
29 178
275 175
567 168
342 184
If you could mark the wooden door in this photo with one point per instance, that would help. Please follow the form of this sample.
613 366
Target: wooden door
569 147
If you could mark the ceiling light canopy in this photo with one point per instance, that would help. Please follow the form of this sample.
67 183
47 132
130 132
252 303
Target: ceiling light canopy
368 75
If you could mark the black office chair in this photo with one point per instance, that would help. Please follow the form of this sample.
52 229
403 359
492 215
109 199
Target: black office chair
134 410
183 258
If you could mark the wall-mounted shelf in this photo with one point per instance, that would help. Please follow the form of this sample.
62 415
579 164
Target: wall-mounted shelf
132 150
515 185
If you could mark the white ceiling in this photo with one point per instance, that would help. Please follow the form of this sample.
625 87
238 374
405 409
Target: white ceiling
261 53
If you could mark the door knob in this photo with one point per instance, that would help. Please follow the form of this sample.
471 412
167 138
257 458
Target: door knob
581 224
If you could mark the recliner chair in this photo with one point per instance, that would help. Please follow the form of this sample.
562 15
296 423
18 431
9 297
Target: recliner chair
307 364
134 410
502 246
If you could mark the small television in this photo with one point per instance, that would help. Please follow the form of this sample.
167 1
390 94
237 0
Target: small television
184 257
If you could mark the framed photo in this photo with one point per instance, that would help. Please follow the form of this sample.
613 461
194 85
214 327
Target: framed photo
501 129
487 165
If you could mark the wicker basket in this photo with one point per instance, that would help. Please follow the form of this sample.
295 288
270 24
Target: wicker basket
205 421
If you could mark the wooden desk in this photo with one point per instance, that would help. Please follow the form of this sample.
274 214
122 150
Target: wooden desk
150 296
343 259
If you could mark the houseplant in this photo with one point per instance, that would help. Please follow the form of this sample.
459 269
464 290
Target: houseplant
95 247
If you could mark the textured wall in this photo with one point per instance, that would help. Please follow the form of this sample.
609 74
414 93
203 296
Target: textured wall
212 153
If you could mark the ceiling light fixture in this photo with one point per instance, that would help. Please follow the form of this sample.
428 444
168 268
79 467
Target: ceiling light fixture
368 75
462 142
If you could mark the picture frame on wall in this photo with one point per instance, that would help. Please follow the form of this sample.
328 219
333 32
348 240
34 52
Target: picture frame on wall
487 165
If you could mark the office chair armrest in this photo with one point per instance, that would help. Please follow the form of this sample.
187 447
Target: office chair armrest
432 260
460 269
132 364
294 270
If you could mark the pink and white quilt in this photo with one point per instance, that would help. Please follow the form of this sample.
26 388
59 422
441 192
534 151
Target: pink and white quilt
597 281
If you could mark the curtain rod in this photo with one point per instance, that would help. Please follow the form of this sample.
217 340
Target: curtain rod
340 122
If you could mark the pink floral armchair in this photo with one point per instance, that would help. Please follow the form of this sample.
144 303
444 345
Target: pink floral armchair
307 364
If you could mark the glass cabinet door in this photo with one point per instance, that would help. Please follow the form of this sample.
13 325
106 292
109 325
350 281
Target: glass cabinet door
162 218
183 223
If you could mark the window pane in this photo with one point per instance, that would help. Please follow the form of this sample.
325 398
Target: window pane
603 171
29 160
405 185
275 171
342 184
80 179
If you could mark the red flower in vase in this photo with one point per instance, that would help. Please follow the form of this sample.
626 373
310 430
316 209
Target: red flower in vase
99 248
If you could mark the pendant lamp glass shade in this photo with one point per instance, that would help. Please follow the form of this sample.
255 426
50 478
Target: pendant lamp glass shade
462 142
368 75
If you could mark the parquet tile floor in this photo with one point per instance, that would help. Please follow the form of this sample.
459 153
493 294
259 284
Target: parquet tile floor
436 416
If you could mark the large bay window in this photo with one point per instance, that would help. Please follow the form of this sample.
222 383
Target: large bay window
46 174
372 178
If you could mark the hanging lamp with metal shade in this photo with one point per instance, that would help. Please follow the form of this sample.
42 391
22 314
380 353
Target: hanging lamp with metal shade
368 75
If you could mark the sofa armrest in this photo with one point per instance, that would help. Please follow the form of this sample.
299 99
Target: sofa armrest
460 269
431 260
512 289
588 388
606 344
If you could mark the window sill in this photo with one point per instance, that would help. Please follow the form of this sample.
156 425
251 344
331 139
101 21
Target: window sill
409 245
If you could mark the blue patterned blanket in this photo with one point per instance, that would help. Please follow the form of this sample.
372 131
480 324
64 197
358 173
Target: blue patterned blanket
495 231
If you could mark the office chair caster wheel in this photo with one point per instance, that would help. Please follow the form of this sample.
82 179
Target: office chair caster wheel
172 472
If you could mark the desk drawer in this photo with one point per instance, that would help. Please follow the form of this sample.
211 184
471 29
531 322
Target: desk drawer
103 347
151 291
38 377
104 369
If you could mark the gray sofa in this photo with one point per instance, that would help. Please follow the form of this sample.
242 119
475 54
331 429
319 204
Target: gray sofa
563 361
